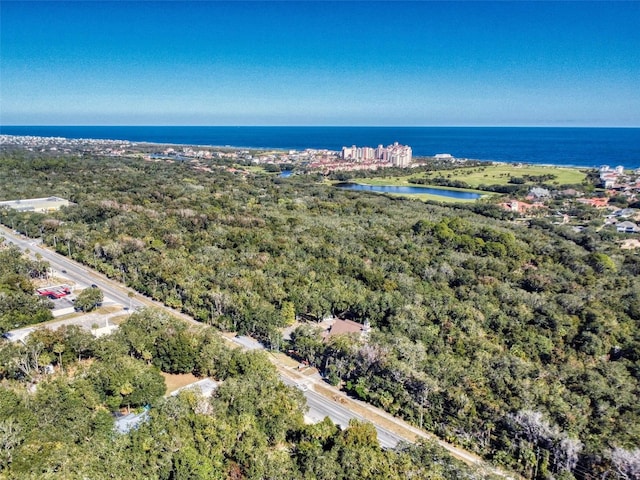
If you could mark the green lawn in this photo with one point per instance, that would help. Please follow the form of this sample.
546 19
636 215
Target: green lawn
258 169
249 168
475 176
500 174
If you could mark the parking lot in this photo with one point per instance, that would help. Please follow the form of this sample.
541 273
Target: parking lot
95 322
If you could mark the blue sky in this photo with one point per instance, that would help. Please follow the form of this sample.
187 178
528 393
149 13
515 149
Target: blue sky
306 63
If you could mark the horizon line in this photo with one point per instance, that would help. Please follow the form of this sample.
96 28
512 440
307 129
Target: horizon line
319 126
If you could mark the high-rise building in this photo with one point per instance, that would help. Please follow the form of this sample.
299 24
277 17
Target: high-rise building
396 154
349 153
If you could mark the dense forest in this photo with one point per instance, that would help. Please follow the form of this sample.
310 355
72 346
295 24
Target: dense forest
61 425
521 342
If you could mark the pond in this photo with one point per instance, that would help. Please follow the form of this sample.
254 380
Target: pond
442 192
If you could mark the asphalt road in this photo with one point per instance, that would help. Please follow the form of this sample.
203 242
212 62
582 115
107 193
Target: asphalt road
79 274
319 405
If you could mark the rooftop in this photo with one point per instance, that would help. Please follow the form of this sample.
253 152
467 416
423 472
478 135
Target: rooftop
340 327
40 205
126 423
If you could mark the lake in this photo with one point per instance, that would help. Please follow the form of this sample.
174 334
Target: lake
442 192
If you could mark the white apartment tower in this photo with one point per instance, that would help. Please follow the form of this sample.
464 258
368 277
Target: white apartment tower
349 153
396 154
400 155
367 153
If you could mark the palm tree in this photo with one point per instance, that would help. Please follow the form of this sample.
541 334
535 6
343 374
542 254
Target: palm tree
59 348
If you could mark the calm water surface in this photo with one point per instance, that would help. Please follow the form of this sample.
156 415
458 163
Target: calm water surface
442 192
585 147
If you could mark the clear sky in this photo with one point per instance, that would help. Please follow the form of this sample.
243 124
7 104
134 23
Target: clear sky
306 63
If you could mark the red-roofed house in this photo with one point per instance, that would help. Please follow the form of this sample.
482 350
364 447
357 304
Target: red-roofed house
595 202
520 207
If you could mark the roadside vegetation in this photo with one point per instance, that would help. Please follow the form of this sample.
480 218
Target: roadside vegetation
19 306
62 424
89 299
521 342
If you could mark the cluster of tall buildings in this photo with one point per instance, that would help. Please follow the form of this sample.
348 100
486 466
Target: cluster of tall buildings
396 155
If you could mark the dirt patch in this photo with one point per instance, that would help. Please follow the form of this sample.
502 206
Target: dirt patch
109 309
285 360
68 316
176 380
47 282
118 320
630 244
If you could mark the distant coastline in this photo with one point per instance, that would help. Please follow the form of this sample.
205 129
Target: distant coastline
583 147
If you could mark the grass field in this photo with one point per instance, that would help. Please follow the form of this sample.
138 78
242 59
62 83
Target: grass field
255 169
500 174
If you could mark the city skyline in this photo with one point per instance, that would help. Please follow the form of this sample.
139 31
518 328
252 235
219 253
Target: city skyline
312 63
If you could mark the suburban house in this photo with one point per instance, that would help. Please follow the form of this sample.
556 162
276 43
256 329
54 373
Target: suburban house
598 202
625 212
570 192
537 193
627 227
520 207
341 327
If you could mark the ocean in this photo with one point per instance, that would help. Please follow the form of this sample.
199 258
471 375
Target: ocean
582 147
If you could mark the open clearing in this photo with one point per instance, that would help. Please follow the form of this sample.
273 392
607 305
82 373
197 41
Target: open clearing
498 174
176 380
501 173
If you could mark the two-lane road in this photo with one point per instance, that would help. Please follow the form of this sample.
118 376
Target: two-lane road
72 270
319 405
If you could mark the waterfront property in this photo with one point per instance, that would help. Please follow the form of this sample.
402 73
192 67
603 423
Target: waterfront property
395 155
